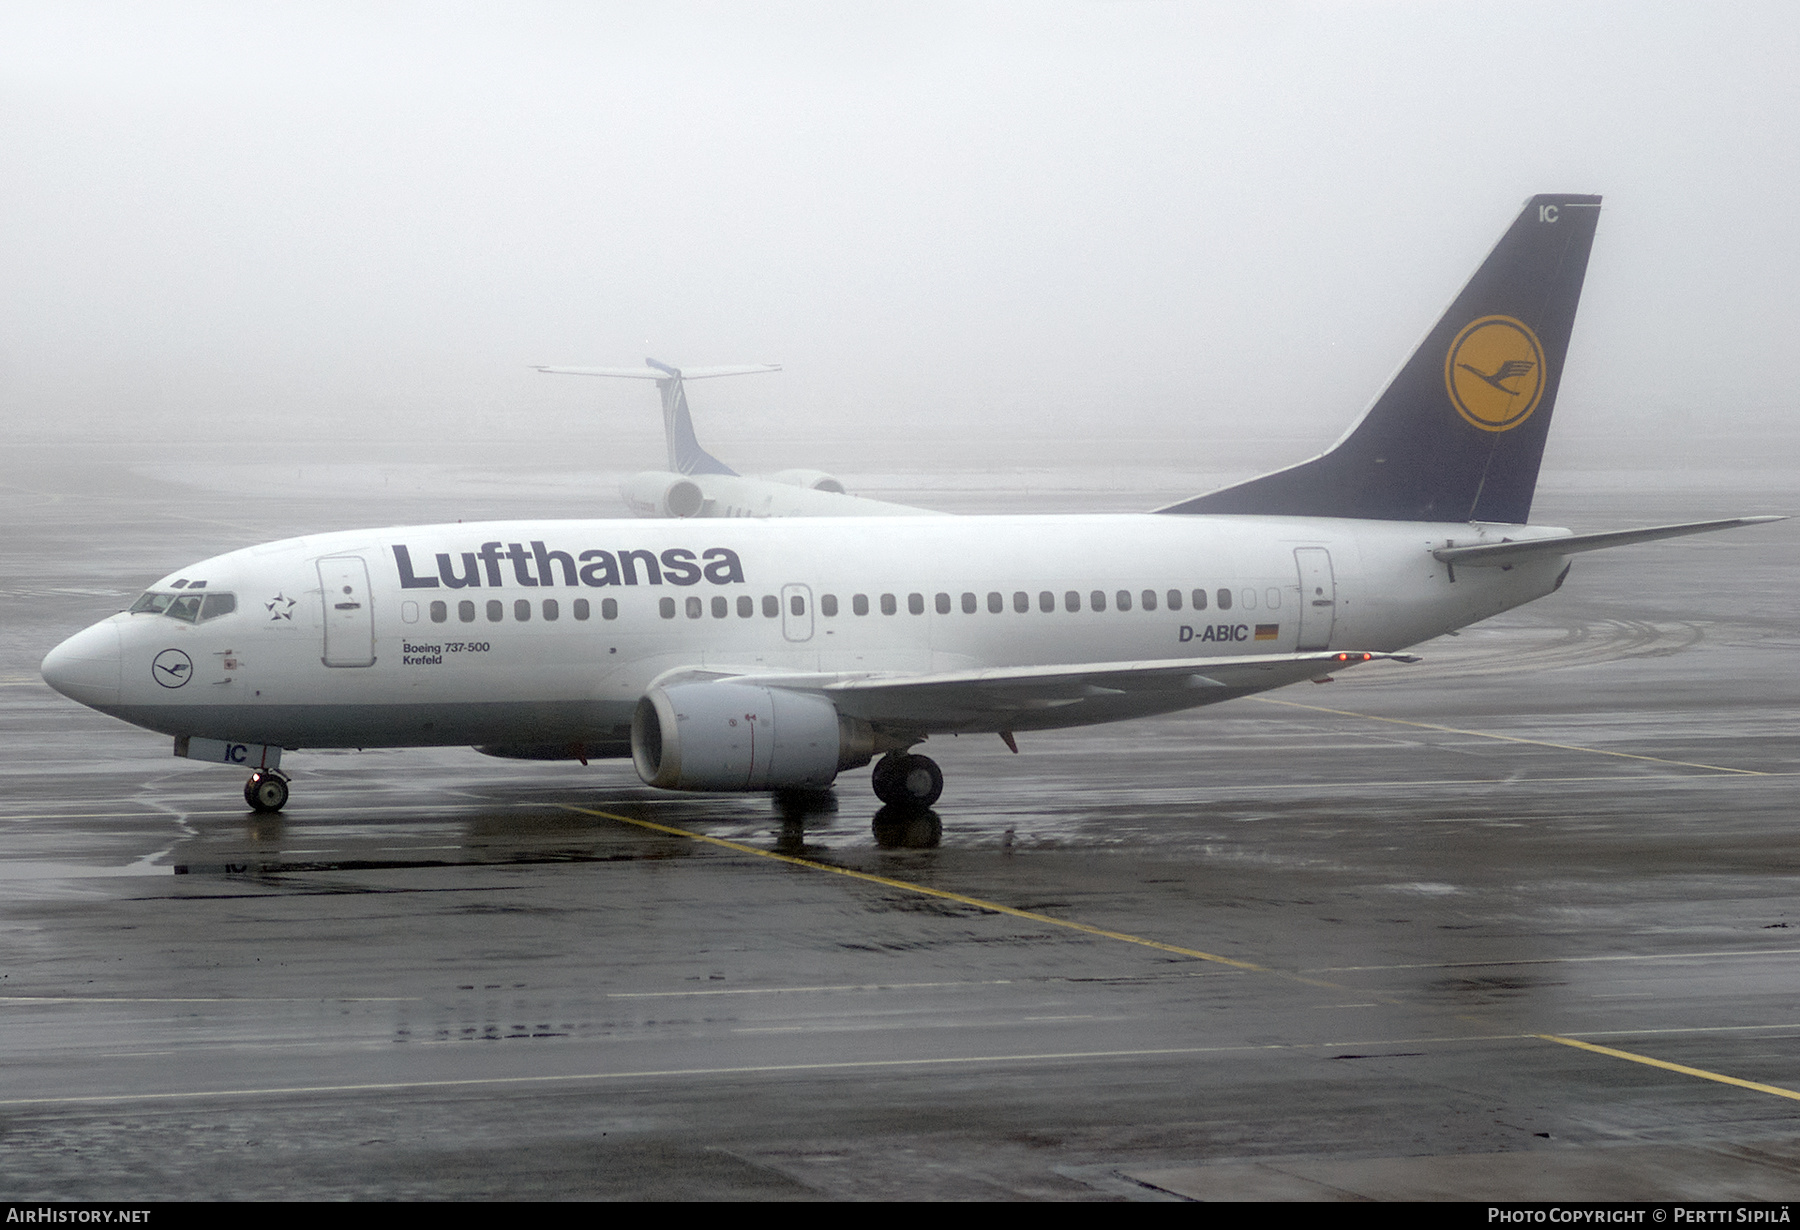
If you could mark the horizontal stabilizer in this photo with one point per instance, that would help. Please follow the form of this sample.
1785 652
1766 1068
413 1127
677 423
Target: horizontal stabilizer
1503 553
662 373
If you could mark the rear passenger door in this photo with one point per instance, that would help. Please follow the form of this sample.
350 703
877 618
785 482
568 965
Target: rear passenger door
1318 598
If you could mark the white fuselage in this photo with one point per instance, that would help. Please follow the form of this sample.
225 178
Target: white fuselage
549 632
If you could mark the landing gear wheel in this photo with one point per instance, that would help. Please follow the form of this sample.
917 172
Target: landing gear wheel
885 778
907 780
266 792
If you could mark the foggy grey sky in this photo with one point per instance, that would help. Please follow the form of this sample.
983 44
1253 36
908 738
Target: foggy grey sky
1108 219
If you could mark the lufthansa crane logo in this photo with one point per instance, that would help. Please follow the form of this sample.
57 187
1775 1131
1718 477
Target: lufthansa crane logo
1495 373
172 668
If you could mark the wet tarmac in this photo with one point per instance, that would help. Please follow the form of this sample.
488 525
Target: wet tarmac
1518 922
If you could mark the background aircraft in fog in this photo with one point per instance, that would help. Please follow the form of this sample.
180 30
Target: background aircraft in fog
697 484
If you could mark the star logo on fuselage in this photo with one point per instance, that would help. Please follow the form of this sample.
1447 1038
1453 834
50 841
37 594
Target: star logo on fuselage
280 607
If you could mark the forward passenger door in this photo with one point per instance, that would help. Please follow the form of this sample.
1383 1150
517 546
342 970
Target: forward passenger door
349 619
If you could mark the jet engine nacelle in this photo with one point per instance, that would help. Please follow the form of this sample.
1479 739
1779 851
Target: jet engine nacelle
658 493
812 480
736 736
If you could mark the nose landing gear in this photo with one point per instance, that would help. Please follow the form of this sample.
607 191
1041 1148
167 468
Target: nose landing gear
907 780
266 791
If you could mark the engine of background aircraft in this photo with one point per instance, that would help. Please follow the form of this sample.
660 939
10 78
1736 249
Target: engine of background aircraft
657 493
812 480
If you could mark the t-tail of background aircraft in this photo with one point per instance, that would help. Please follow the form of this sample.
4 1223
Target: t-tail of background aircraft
697 484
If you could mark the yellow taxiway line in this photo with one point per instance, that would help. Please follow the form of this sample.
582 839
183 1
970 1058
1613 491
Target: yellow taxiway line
1127 938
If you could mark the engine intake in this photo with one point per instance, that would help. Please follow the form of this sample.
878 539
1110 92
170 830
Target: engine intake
737 736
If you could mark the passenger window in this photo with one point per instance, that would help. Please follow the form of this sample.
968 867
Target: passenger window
1098 598
582 609
996 603
551 609
968 604
1149 600
1021 601
746 606
1071 601
797 605
1046 601
943 604
1272 598
1174 600
1224 599
439 612
666 607
915 603
828 604
609 608
720 607
695 607
465 611
860 604
1124 597
771 606
888 605
522 610
1249 599
496 610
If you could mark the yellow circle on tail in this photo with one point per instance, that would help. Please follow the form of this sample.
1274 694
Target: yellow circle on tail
1495 373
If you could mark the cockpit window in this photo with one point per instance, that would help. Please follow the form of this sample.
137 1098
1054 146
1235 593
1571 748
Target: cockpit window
191 607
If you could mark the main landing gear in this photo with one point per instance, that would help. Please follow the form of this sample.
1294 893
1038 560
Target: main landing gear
907 780
266 791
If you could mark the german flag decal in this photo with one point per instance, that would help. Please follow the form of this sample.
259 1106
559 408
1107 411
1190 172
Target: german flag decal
1268 632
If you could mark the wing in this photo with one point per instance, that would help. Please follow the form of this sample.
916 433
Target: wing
1044 697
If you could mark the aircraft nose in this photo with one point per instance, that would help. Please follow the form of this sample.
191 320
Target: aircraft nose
86 666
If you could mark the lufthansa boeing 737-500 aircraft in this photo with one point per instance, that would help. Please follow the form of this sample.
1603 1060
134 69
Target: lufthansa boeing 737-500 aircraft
754 653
